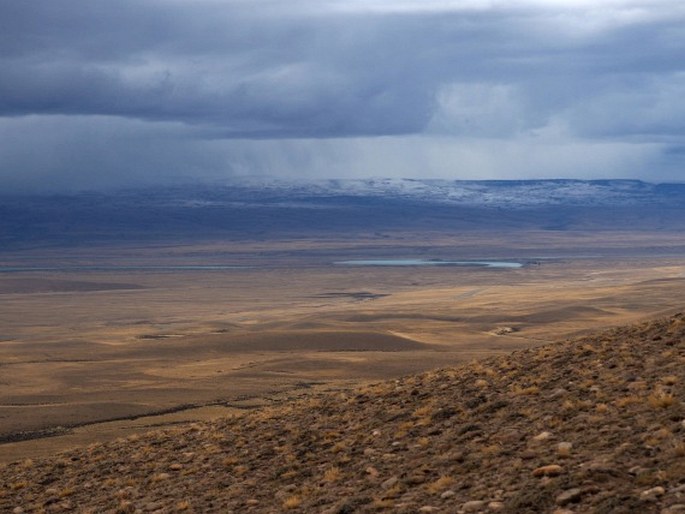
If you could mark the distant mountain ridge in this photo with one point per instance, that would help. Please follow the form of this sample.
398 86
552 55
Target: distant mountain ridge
474 192
263 208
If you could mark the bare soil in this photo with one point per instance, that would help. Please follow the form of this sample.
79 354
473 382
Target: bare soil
88 356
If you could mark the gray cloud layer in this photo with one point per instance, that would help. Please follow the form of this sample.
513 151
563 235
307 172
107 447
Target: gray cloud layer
97 93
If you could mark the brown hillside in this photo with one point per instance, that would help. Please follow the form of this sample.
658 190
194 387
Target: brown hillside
591 425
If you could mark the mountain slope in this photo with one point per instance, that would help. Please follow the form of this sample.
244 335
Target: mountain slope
591 425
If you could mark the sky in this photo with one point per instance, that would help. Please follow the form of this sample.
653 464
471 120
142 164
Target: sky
99 94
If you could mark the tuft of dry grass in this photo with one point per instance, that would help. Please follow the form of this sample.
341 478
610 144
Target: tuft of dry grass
661 400
383 503
525 391
441 484
292 502
332 474
625 401
15 486
183 505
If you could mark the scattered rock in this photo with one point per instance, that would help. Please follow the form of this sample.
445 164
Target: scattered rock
390 482
550 470
564 449
473 506
415 479
678 508
529 454
569 496
636 470
652 493
371 471
626 456
560 391
542 436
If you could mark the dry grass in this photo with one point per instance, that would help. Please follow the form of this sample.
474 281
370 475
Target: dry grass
525 391
332 474
480 443
442 483
292 502
662 400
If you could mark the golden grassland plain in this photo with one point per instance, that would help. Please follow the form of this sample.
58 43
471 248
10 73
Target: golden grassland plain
97 353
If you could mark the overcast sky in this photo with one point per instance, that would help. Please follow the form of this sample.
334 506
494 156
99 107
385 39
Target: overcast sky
102 93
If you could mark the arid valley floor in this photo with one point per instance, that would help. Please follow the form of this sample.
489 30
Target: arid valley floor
103 342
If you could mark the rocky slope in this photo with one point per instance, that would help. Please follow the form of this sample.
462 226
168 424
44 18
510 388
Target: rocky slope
591 425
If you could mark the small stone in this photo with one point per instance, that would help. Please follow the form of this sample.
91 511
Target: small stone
285 492
569 496
528 454
415 479
636 470
652 493
678 508
551 470
599 466
564 449
496 506
376 433
176 467
510 436
447 494
371 471
542 436
563 511
390 482
252 501
428 508
18 510
473 506
558 392
162 476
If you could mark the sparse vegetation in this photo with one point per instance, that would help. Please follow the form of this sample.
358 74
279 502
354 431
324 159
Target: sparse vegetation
438 440
292 502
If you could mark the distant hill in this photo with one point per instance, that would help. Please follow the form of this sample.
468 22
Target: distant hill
591 425
264 208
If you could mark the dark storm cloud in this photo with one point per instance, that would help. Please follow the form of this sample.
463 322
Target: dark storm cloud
249 69
211 85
